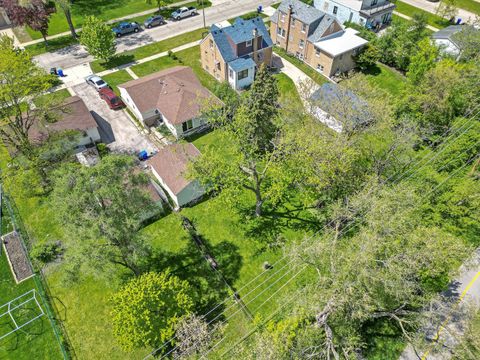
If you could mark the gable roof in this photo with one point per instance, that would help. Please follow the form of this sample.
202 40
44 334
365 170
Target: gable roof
240 31
176 92
300 11
447 32
73 114
171 163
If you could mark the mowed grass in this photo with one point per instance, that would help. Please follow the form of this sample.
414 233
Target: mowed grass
117 78
54 97
102 9
469 5
148 50
288 91
386 79
432 19
52 45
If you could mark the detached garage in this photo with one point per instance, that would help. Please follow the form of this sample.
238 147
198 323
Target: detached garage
169 166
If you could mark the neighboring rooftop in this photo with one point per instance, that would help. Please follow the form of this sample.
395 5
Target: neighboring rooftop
240 31
73 114
341 42
242 64
176 93
171 164
305 13
447 32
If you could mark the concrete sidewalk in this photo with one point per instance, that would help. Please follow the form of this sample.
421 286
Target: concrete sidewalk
76 55
432 7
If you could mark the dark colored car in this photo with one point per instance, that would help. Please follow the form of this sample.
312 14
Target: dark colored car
154 21
112 100
126 28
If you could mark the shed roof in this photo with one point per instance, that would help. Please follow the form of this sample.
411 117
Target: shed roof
176 93
341 42
171 163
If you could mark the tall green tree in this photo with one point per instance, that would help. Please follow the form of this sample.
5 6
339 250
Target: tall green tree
147 309
103 208
422 61
98 39
447 9
22 82
468 40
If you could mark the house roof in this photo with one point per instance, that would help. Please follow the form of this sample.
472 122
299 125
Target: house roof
305 13
341 42
322 26
171 163
73 114
176 93
240 31
447 32
241 64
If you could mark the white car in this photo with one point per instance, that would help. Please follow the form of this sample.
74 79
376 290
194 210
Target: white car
96 82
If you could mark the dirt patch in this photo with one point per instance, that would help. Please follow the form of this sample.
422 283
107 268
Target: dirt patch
17 256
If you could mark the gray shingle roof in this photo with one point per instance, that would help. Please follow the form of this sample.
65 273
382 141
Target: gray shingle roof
240 31
323 25
447 32
300 11
241 64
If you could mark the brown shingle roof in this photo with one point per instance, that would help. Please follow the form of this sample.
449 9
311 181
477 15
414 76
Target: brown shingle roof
72 115
171 162
176 93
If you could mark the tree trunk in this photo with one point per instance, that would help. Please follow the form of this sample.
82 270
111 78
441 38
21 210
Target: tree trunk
258 204
68 16
44 35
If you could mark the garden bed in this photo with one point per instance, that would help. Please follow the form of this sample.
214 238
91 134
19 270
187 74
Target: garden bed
17 257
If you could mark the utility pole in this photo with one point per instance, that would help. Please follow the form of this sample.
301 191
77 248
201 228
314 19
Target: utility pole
203 11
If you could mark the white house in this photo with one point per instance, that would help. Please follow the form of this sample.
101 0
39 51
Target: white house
72 115
173 96
445 40
370 13
169 166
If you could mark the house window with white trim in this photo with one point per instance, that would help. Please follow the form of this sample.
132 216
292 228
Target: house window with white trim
187 125
211 44
317 52
242 74
320 68
374 2
282 18
335 10
230 73
248 43
301 44
293 23
304 28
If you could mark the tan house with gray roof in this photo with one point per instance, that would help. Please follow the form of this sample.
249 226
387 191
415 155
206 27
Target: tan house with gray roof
315 37
173 96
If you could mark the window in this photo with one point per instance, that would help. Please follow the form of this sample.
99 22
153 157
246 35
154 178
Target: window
335 10
211 44
242 74
320 67
283 18
219 66
373 3
230 73
301 44
248 43
260 56
317 52
340 57
293 23
304 28
187 125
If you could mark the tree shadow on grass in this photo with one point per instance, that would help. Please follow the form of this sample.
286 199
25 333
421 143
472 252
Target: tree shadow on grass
373 70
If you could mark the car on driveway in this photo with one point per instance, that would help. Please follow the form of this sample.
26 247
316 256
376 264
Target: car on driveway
96 81
125 28
112 100
184 12
154 21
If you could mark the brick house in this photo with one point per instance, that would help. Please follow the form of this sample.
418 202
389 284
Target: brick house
233 53
315 37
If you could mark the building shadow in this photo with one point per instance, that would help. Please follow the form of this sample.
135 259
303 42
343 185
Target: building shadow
104 128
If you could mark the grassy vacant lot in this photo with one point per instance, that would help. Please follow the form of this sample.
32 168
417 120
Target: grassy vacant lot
105 10
432 19
315 75
149 50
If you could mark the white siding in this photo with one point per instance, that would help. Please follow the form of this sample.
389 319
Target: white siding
170 192
243 83
129 102
446 46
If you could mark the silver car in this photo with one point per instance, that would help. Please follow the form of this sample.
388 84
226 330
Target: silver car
96 82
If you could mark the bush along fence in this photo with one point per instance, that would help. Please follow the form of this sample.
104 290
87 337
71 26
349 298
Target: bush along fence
40 281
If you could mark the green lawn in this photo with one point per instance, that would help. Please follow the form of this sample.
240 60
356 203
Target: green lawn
288 91
117 78
313 74
470 5
189 57
386 78
53 45
148 50
432 19
105 10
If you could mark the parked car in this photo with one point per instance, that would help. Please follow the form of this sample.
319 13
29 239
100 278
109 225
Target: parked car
184 12
112 100
96 81
154 21
126 28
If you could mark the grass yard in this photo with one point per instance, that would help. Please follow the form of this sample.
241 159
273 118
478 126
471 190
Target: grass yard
288 91
148 50
189 57
105 10
386 79
117 78
57 96
432 19
470 5
315 75
53 45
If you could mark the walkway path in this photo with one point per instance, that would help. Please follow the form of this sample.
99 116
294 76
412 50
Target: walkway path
465 290
409 18
465 15
75 55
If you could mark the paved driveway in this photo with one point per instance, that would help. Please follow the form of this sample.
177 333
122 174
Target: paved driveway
116 128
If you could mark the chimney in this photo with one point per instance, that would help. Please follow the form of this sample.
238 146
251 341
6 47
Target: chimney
289 20
255 44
